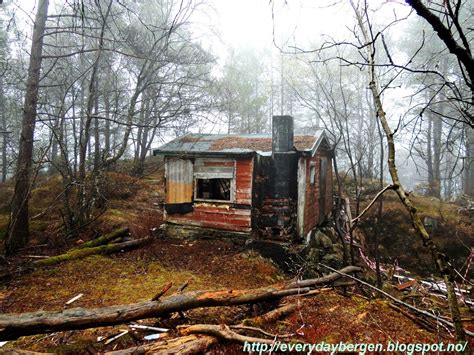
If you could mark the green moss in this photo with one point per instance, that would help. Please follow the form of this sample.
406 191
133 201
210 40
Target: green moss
117 217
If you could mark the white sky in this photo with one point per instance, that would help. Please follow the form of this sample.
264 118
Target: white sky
256 23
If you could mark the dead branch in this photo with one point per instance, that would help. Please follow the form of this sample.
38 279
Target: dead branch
183 286
163 290
396 300
82 253
261 331
380 193
270 317
421 322
325 279
222 332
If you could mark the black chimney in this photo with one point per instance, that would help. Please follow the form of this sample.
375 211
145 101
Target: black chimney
282 134
284 158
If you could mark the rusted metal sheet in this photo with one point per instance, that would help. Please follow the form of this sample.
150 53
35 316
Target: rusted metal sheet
179 181
214 168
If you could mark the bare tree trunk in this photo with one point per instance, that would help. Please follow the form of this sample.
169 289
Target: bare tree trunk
18 228
378 228
107 126
468 178
429 155
3 133
437 130
84 140
96 127
441 261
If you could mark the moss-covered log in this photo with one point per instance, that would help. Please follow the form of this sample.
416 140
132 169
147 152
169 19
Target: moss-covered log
104 239
82 253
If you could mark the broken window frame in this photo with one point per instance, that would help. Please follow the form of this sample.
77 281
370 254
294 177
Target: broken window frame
215 172
198 189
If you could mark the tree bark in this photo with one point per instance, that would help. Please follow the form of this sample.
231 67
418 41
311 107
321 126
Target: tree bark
13 326
18 228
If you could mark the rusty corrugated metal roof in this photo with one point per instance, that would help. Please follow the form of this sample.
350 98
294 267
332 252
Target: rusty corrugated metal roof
234 143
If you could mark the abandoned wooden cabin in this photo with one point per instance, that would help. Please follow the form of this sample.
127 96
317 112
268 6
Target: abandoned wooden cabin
273 186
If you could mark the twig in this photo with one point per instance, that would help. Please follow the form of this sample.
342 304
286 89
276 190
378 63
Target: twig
75 298
146 327
164 289
380 193
183 286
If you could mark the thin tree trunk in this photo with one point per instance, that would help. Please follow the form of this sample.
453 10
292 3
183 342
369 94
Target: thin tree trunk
3 133
107 126
468 177
84 192
429 155
437 130
18 228
441 261
96 127
378 228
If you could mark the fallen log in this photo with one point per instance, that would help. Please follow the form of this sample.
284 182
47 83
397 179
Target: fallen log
222 332
104 239
82 253
191 344
13 326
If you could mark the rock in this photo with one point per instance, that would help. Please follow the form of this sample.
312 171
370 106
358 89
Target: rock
323 241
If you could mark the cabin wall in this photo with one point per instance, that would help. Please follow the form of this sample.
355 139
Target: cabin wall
317 207
234 215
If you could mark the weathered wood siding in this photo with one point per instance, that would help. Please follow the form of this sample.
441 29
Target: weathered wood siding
234 215
314 211
244 177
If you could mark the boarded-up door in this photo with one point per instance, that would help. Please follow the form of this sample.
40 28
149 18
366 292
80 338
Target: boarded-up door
179 185
323 167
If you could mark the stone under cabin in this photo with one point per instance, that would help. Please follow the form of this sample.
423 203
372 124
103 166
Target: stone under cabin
267 186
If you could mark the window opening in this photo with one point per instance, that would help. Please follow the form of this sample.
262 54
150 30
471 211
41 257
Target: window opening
213 189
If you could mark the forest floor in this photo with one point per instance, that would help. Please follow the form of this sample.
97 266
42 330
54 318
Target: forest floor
331 316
